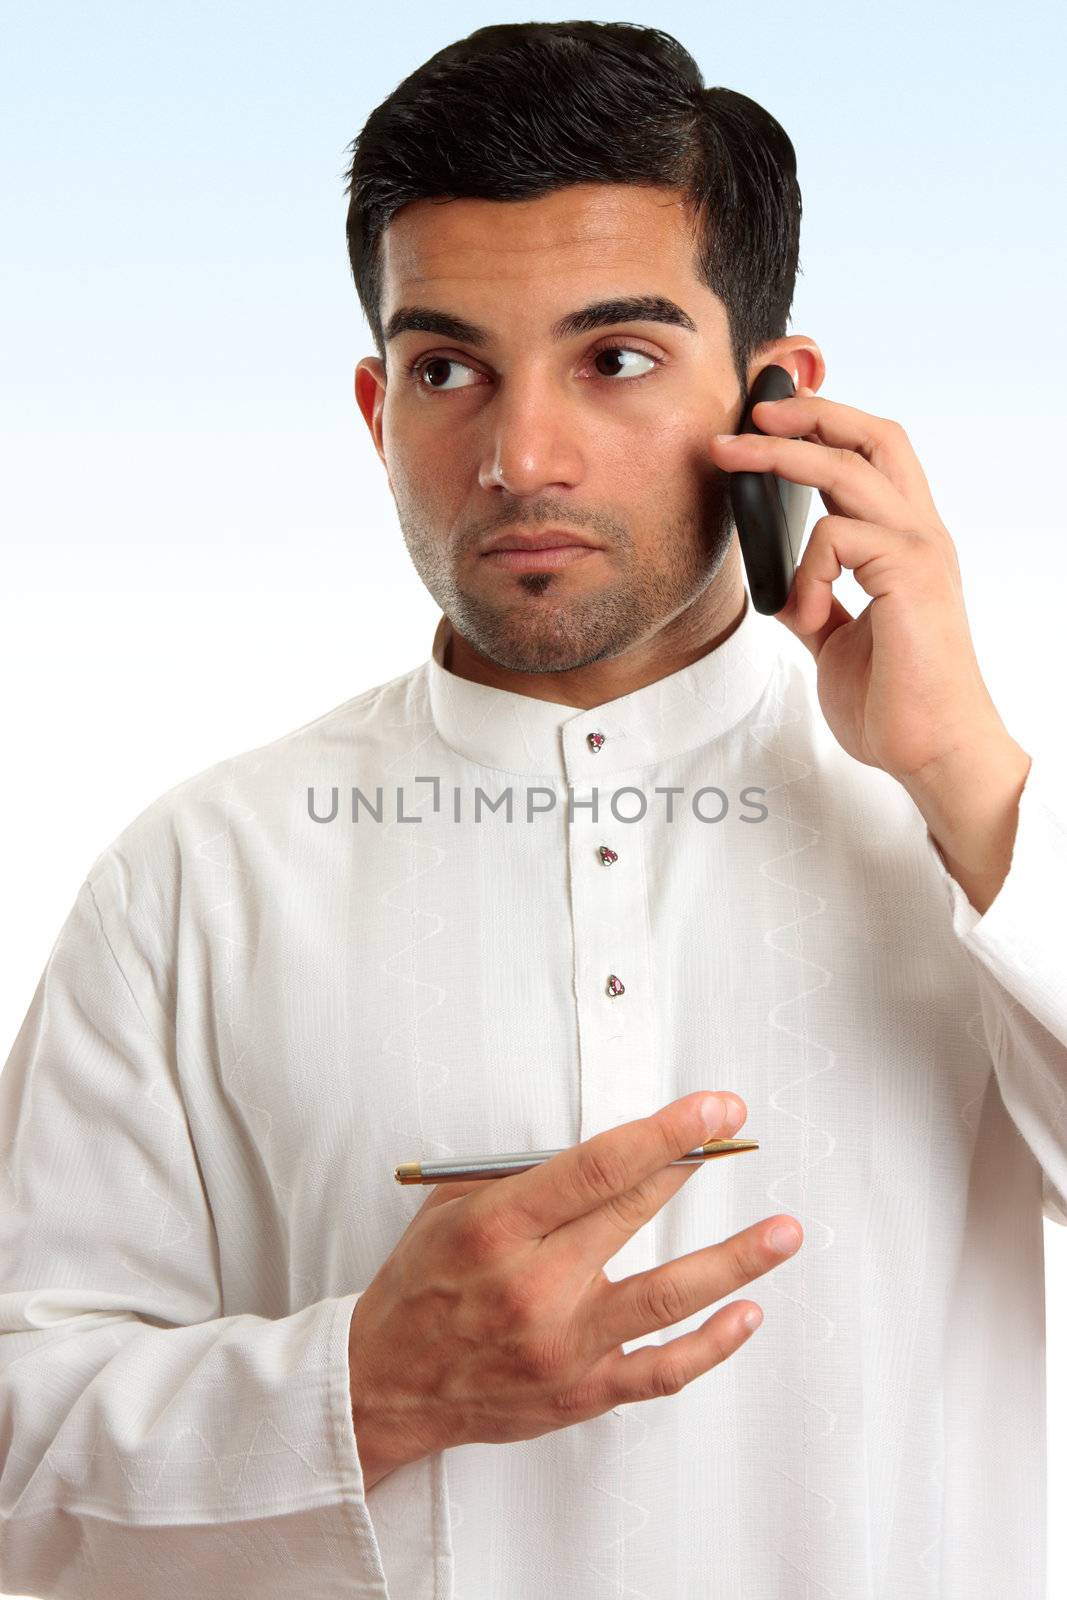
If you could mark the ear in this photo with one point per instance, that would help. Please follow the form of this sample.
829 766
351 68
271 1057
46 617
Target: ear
370 397
799 355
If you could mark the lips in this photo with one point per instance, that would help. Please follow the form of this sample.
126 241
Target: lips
549 539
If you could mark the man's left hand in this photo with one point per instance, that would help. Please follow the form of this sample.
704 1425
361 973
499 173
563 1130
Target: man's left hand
900 684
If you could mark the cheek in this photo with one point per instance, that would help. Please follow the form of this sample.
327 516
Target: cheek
672 443
664 464
421 468
421 499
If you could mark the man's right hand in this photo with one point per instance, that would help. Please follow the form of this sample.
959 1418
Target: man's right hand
492 1320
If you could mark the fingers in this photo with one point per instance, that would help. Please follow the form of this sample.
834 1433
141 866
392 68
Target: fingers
656 1299
658 1370
453 1189
590 1241
529 1205
878 440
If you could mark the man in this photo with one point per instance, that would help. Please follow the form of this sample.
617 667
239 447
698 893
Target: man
610 846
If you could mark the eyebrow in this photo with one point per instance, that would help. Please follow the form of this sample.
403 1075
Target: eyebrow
600 314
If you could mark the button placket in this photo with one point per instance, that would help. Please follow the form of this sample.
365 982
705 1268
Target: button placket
615 1010
614 985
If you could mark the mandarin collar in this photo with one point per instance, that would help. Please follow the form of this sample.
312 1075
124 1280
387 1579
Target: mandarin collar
688 708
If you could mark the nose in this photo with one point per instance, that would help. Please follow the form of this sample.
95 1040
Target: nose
531 441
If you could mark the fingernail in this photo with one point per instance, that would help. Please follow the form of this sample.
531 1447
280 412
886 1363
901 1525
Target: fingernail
784 1239
734 1116
722 437
713 1112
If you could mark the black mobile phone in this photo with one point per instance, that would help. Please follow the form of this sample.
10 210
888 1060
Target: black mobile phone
770 512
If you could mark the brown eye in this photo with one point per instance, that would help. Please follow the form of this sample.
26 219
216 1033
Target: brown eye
616 350
428 364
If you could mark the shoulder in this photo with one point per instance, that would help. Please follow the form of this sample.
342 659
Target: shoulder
253 788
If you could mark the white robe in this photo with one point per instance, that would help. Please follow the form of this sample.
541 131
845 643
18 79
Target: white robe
251 1016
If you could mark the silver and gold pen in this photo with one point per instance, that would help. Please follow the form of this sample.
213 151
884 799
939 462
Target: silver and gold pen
460 1167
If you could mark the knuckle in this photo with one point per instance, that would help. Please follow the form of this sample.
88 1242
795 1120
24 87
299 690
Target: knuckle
478 1236
630 1208
661 1300
669 1376
573 1403
520 1296
537 1360
601 1170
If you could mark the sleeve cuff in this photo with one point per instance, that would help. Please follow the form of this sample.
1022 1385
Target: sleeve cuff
1038 867
1018 938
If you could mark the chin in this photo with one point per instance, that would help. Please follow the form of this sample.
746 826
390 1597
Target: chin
534 651
546 631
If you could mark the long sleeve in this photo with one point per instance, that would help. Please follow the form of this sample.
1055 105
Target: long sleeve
151 1445
1017 949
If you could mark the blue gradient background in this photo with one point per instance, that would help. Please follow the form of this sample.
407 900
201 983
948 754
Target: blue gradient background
200 551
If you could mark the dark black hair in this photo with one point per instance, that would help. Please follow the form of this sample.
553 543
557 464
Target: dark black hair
517 110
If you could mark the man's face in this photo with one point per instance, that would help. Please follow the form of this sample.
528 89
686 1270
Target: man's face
603 432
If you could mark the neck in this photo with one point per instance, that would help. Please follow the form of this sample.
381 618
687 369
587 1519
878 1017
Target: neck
698 630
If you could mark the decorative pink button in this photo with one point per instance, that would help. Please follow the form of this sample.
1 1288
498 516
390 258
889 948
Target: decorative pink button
595 741
607 856
614 986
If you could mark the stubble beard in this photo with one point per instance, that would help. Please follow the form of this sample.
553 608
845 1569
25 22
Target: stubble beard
551 625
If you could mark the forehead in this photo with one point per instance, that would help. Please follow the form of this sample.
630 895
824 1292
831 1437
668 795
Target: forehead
585 228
